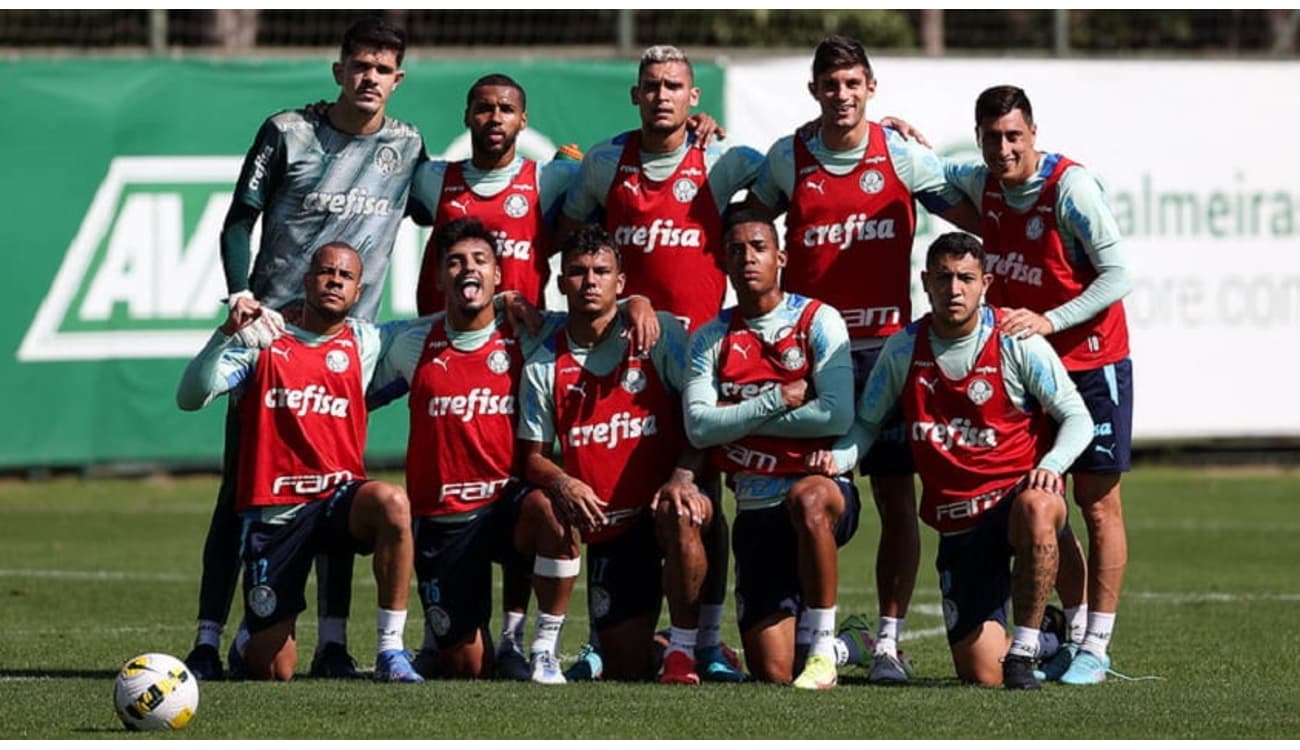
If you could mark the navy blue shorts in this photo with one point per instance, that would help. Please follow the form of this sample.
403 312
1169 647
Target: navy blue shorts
625 576
767 565
1108 393
890 455
975 570
277 558
453 565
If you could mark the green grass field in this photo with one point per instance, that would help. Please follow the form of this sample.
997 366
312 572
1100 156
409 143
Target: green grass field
94 572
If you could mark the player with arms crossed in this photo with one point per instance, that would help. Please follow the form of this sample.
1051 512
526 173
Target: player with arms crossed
301 485
515 197
462 370
848 185
1054 247
628 483
662 190
770 381
976 403
330 171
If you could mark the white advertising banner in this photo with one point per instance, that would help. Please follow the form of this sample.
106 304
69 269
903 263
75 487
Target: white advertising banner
1200 163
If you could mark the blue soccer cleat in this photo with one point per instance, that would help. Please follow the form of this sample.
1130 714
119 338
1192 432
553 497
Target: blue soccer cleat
238 667
394 666
511 665
712 664
588 667
1086 669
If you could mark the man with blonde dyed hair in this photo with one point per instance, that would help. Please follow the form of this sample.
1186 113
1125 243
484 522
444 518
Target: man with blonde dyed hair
663 189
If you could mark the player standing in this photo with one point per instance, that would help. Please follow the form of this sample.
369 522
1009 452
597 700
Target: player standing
515 197
975 401
330 171
301 483
628 483
848 185
1054 247
770 380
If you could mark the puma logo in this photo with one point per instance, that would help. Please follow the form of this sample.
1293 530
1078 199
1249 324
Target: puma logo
929 384
743 350
282 352
581 388
464 207
820 187
633 186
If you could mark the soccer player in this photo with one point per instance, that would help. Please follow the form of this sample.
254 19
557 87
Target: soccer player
848 185
517 198
330 171
628 484
1054 248
975 402
662 193
301 487
770 381
462 370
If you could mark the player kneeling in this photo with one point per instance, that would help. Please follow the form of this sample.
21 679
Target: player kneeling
628 484
301 484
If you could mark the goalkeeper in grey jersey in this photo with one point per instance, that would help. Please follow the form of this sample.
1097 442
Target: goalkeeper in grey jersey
337 171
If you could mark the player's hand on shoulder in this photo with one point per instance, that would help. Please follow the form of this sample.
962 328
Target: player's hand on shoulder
705 128
1047 481
1022 323
821 462
521 313
642 330
252 324
905 129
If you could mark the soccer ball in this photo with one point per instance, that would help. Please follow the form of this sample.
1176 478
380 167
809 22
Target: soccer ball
155 691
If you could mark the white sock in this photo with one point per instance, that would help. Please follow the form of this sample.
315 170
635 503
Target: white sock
887 636
682 639
547 633
1048 645
1100 625
1076 623
842 649
208 634
821 623
332 630
1024 642
850 652
391 624
512 630
710 626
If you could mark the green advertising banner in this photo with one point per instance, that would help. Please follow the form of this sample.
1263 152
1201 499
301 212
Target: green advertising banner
117 176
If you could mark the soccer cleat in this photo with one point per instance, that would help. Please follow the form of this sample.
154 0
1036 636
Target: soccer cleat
679 669
1086 669
714 664
1018 673
394 666
332 661
546 669
204 662
888 669
818 674
588 667
857 630
1052 669
511 665
426 663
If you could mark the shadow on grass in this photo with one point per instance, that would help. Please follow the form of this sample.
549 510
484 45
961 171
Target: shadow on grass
57 674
